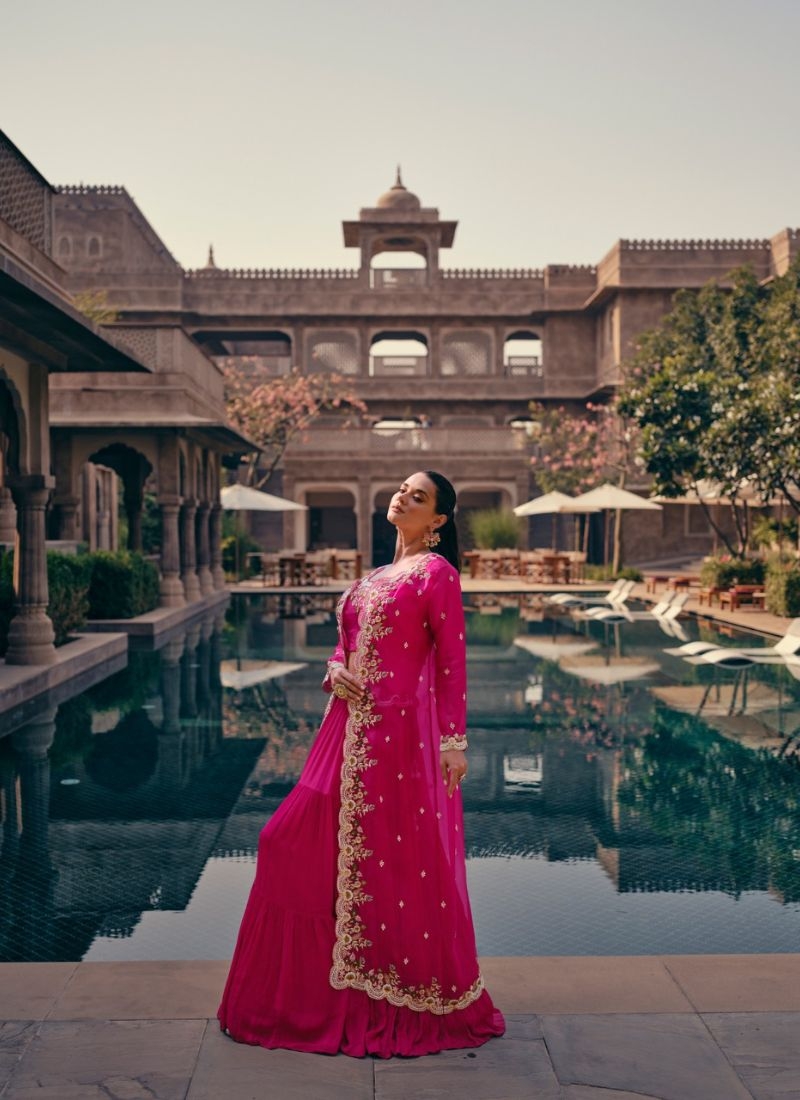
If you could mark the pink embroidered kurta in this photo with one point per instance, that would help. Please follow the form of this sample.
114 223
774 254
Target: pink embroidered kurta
358 935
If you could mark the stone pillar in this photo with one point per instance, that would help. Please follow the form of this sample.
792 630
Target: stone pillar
364 521
215 545
67 509
171 591
170 741
30 635
204 548
191 585
8 517
104 510
133 499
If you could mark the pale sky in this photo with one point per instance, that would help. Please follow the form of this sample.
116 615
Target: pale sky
547 128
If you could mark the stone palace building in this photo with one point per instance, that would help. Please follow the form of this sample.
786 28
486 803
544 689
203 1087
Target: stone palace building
446 359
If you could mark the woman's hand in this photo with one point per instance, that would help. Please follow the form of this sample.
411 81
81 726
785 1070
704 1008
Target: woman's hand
345 684
453 764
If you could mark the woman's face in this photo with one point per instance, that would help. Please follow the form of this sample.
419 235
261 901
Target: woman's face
413 506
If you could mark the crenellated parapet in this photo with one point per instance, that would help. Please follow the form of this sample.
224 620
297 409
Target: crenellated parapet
491 273
693 246
273 273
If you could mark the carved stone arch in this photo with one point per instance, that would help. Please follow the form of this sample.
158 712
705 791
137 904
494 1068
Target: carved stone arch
133 468
13 430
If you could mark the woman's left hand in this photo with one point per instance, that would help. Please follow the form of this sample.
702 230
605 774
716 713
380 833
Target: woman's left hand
453 764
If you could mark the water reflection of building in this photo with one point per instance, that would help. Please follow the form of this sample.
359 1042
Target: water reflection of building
131 811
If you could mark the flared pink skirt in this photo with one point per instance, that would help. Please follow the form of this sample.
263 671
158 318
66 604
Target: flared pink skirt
278 992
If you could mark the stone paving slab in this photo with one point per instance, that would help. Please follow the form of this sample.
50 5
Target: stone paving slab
14 1040
583 984
99 1059
764 1050
502 1069
668 1057
234 1071
738 983
28 991
157 990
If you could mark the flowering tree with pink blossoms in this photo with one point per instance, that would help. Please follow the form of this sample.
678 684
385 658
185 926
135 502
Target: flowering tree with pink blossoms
274 411
577 451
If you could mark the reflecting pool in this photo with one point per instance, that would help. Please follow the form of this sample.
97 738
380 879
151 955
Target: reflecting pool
620 800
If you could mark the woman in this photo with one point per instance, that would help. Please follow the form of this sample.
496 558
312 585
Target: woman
358 936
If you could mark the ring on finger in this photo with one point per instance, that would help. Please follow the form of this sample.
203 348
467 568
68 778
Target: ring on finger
340 691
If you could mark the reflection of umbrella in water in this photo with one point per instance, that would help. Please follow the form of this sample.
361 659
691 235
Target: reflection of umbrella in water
608 670
243 673
553 649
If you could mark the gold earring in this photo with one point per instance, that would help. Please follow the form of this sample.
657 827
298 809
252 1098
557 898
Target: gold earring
431 539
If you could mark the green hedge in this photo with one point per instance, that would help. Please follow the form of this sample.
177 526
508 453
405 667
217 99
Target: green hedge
124 584
783 590
68 577
494 529
723 573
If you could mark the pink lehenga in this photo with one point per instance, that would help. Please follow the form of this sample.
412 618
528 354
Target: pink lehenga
358 935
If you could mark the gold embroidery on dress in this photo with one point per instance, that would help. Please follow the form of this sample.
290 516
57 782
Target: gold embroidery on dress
371 598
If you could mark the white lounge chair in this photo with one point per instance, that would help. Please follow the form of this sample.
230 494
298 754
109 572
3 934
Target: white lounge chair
667 608
787 646
616 595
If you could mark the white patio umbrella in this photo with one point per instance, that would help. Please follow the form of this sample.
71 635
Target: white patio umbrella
554 503
610 497
553 649
241 498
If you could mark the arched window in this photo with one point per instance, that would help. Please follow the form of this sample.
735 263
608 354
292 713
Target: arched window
398 355
522 355
466 354
335 351
64 246
390 269
93 247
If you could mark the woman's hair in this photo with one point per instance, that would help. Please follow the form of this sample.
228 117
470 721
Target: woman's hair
446 505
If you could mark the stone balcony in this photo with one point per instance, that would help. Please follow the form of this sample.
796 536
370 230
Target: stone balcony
368 443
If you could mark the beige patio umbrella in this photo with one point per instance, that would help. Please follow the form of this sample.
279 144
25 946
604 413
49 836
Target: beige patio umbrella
609 498
241 498
553 649
554 503
602 669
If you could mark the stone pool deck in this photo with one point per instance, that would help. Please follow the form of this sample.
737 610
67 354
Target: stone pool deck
680 1027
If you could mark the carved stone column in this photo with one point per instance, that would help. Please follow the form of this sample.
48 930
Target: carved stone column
171 591
30 635
67 509
364 521
133 499
215 545
191 585
204 548
8 517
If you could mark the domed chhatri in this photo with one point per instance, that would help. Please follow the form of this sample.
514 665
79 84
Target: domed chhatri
398 197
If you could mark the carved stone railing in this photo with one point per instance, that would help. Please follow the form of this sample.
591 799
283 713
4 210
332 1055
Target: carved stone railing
25 198
693 246
491 273
373 441
272 273
91 189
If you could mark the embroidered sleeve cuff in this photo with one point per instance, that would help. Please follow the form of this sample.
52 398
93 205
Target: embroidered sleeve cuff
326 683
454 741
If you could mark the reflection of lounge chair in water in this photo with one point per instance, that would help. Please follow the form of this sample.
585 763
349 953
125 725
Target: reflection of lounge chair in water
668 608
616 595
711 653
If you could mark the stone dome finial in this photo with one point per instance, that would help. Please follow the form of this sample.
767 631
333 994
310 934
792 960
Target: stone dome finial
398 197
210 261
